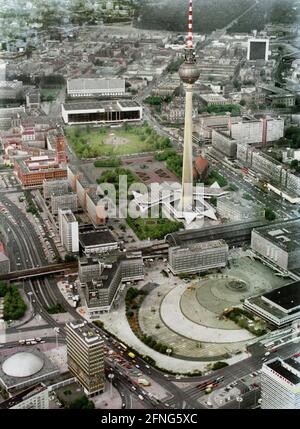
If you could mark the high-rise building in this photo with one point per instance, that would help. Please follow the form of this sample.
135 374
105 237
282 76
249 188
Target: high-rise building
189 74
280 383
68 229
85 354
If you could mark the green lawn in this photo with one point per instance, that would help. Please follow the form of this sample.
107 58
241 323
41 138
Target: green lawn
49 94
155 229
90 142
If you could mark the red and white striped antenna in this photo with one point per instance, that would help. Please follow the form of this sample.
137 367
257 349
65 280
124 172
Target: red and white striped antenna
190 28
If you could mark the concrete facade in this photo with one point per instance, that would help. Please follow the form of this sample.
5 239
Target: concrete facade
198 257
280 384
68 229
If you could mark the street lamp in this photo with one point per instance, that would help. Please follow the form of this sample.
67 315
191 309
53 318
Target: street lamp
111 377
239 400
169 351
30 299
56 330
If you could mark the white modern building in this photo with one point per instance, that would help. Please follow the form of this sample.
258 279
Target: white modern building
101 112
89 87
280 384
198 257
280 307
251 130
279 244
68 229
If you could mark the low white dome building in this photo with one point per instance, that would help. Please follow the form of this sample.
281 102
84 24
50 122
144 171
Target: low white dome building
22 364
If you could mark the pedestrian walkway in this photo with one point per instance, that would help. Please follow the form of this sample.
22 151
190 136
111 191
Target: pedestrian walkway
173 317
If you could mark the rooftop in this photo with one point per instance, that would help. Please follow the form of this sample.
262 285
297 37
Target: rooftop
19 367
95 83
107 105
284 369
86 332
96 238
285 235
286 297
195 247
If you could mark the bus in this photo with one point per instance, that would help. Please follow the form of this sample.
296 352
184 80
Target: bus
123 346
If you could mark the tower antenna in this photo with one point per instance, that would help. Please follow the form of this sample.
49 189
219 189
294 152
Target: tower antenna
190 26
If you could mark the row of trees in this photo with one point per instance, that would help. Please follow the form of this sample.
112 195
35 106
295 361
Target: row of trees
157 101
213 177
133 300
220 109
111 162
14 306
173 161
113 177
292 136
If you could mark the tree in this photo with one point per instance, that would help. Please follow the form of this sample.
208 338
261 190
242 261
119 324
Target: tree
269 214
82 403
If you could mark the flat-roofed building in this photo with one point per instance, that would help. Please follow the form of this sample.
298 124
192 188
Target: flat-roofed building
280 306
224 143
98 241
101 112
103 280
85 355
68 229
250 130
279 244
97 87
280 384
11 90
33 398
64 202
88 269
54 187
235 207
34 170
212 99
204 124
271 170
198 257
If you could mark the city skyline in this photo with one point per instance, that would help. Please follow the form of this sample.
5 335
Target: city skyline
150 207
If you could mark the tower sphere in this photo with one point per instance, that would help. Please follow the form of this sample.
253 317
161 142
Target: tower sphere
189 71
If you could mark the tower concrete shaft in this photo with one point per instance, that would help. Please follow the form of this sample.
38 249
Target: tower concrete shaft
187 166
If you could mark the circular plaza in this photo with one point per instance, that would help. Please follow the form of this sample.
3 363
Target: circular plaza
188 315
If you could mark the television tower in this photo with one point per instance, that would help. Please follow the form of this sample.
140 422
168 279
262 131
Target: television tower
189 74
